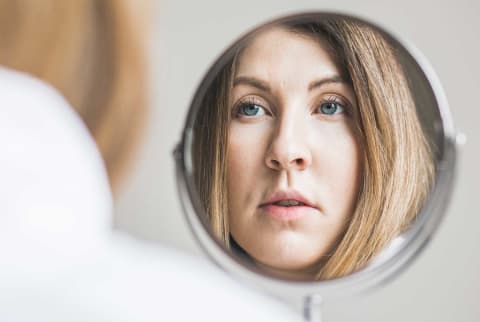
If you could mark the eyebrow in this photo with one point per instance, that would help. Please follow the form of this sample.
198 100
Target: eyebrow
327 80
263 86
252 81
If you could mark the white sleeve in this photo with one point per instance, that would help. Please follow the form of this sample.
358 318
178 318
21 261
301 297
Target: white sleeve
50 169
60 260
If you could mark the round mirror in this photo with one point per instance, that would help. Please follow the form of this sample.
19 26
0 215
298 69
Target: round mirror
317 157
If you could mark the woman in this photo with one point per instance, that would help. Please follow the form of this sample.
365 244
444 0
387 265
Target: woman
326 161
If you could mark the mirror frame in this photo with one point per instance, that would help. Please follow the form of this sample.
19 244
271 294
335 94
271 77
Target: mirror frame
304 292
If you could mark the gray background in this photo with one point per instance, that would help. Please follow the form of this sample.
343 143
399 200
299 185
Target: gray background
444 283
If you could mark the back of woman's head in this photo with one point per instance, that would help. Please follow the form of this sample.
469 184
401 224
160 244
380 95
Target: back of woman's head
92 51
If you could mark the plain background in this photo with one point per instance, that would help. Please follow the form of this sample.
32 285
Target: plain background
443 284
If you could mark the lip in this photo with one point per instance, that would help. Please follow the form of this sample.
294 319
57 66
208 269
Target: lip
285 213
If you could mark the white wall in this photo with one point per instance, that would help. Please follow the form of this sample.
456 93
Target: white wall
444 283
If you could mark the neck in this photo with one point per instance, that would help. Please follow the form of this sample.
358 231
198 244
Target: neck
301 274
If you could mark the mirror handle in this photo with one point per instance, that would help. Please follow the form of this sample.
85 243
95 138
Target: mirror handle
312 308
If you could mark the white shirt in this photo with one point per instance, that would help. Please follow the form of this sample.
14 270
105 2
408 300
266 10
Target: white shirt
60 261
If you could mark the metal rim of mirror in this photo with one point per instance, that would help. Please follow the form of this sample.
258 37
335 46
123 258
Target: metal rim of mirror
416 237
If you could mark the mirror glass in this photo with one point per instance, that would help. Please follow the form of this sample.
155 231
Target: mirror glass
313 144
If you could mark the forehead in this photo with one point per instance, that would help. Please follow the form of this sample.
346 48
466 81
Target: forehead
278 52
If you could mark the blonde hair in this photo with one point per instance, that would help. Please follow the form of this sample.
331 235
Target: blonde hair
92 52
398 166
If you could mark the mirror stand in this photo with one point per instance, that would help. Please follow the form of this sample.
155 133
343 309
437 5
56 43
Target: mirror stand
312 308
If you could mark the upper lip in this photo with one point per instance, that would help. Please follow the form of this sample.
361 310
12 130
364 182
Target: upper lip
287 195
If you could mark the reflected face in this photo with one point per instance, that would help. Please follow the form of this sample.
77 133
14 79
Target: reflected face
293 155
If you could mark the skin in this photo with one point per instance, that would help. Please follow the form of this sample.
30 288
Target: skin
292 129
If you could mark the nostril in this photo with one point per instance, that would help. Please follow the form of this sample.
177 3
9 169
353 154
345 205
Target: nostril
300 163
276 163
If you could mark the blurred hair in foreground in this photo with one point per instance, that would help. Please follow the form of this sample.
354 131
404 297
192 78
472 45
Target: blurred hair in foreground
93 53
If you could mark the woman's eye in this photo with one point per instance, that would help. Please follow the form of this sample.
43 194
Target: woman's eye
331 108
250 110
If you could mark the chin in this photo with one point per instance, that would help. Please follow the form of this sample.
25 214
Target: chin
296 259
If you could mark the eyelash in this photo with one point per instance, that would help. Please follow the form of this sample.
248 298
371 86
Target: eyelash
333 99
246 102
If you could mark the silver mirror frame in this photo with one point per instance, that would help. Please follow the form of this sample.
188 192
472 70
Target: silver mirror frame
306 295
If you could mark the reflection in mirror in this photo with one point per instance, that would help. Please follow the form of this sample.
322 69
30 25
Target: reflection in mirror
308 152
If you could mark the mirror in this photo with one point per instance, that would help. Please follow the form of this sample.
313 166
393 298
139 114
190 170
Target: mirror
318 149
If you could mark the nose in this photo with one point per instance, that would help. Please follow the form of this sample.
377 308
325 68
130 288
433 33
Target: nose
289 148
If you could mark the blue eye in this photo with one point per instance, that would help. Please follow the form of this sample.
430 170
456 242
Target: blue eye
250 109
331 108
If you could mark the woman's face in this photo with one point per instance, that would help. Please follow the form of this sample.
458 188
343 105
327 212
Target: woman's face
293 154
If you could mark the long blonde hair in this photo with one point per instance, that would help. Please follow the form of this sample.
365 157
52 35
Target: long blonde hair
398 166
92 52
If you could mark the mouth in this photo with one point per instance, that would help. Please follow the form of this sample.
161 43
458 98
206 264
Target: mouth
288 205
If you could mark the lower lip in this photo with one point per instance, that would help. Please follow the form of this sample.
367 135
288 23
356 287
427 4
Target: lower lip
288 213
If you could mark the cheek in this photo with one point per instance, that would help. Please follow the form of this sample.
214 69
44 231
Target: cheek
337 163
246 148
